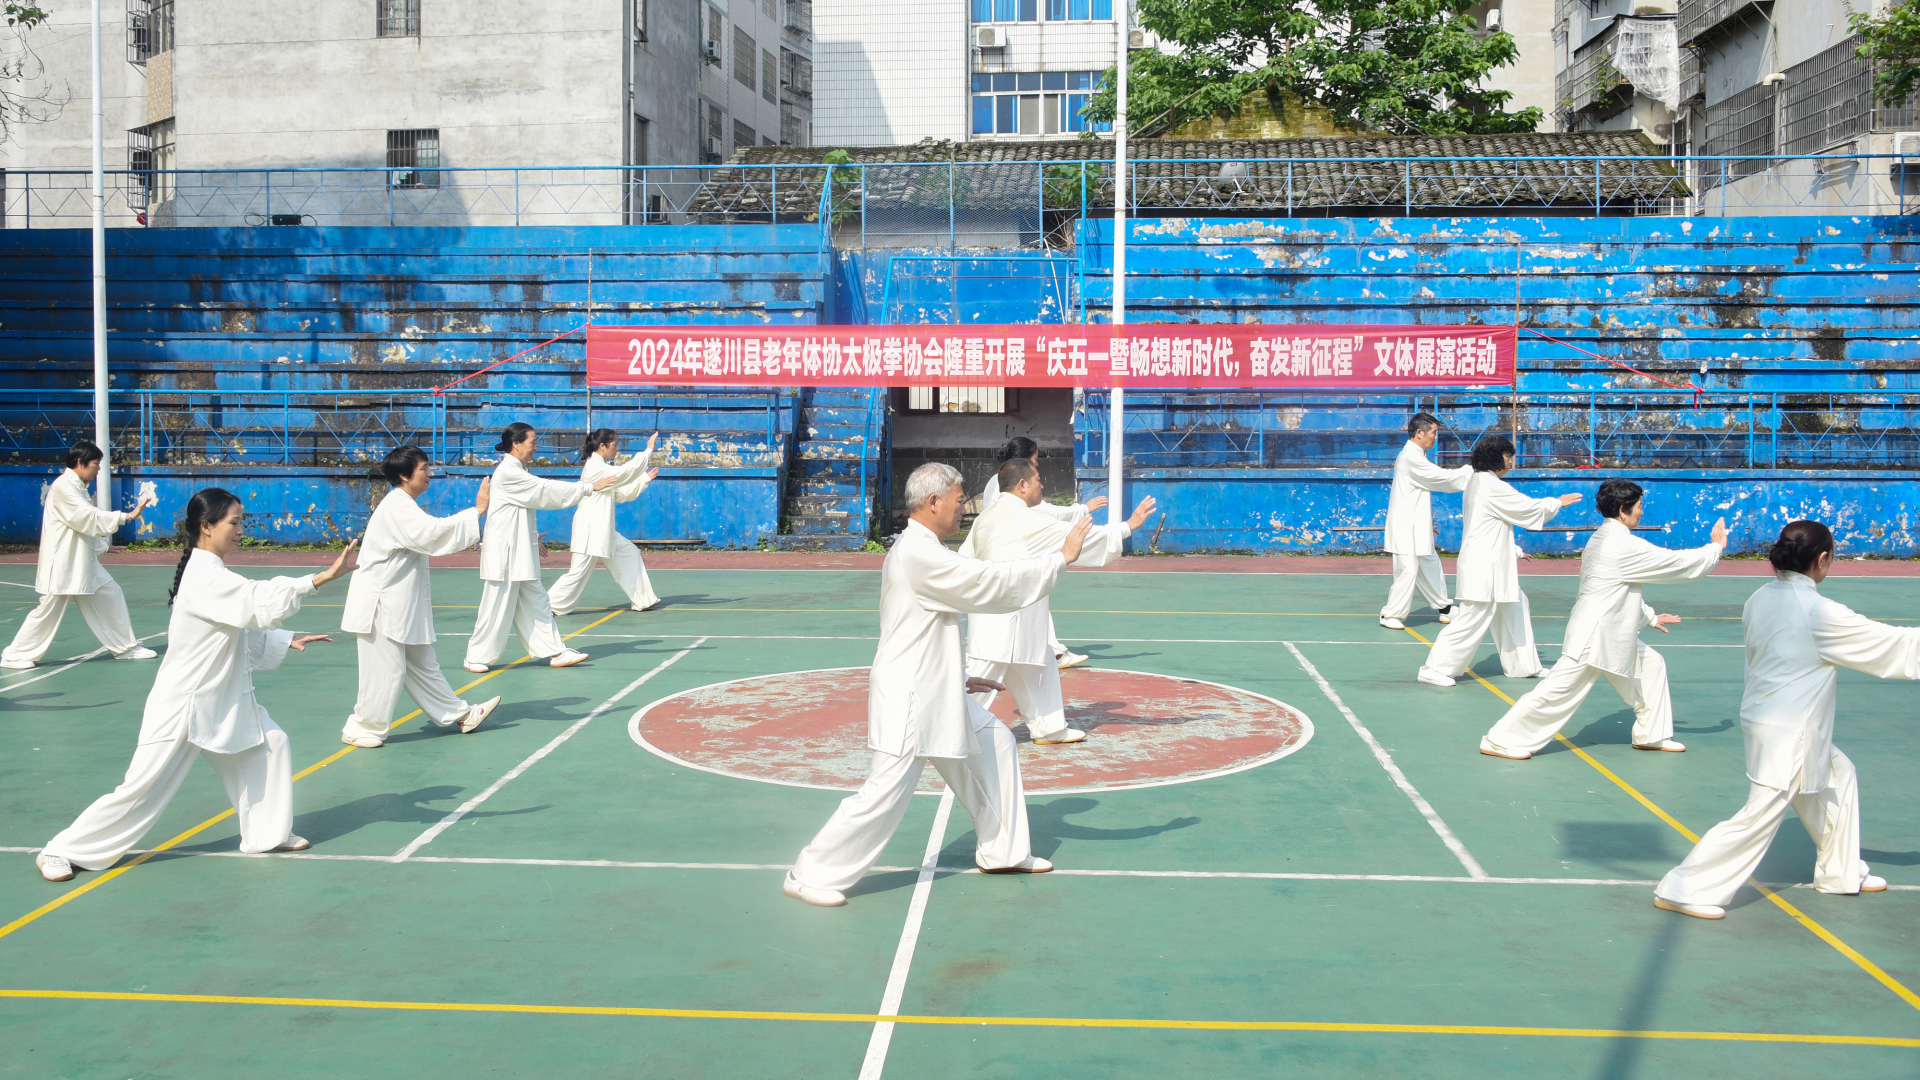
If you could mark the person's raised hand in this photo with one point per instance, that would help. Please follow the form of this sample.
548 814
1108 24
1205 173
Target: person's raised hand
1661 622
300 641
339 566
1076 536
651 440
977 685
606 482
1096 503
138 509
481 500
1569 500
1142 512
1720 532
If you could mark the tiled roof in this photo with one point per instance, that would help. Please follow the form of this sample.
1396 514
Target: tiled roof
1321 173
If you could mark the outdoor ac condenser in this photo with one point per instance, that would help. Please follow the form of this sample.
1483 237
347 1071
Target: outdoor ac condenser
990 37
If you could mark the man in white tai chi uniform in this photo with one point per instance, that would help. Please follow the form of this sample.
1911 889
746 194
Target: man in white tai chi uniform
1603 633
1013 649
1486 578
1409 535
73 533
390 605
1797 640
917 703
1021 448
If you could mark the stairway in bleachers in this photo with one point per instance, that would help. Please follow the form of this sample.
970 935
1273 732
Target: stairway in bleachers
838 469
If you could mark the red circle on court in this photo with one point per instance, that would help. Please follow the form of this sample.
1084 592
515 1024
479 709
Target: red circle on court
809 729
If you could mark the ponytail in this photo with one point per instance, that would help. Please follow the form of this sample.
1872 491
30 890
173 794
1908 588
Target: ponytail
596 439
207 506
1800 545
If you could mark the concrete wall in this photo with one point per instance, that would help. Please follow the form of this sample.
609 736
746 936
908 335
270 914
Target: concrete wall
58 49
1530 77
888 74
763 22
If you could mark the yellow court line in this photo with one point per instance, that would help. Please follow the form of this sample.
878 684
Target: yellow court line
1799 916
971 1021
223 815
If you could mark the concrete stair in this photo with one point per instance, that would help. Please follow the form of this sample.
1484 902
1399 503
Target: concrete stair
834 474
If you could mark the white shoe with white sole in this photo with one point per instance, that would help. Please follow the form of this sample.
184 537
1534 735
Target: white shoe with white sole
1433 678
816 897
53 867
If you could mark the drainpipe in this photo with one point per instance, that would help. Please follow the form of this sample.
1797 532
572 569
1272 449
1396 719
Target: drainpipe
102 430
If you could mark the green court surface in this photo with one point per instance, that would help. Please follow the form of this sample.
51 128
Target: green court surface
1382 902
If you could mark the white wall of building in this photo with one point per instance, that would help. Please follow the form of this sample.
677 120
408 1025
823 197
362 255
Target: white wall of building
1530 77
889 74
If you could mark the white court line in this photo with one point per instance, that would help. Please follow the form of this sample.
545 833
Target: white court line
76 662
18 585
943 871
876 1060
467 807
1386 762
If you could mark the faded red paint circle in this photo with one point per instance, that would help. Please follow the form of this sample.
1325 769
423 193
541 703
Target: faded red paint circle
809 729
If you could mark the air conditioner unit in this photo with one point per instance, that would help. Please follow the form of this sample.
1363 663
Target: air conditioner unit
711 53
713 148
1907 143
1136 39
990 37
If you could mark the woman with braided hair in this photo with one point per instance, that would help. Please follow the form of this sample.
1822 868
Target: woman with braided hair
224 628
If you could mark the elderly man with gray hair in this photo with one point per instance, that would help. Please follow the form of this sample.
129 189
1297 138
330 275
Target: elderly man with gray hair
917 703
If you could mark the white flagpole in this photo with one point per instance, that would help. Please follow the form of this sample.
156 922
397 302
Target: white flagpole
102 430
1117 397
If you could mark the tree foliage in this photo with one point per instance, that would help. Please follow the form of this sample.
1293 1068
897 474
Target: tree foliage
1892 41
24 15
1400 66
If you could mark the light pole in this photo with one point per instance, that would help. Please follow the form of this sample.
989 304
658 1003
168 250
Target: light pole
102 431
1116 396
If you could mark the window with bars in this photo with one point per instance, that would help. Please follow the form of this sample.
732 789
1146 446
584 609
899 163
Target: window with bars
800 16
397 18
413 158
716 26
769 76
743 135
149 29
791 133
150 159
640 21
959 399
796 74
746 59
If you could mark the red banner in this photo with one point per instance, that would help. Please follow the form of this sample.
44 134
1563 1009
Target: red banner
1149 356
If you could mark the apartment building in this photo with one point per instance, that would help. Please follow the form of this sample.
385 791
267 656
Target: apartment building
1617 67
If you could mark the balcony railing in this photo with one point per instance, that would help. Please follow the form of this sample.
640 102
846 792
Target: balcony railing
1700 18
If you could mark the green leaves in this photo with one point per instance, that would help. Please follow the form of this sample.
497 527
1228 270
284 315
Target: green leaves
1402 66
25 15
1891 40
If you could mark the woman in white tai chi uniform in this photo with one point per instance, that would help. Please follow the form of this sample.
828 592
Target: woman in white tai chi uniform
1021 448
390 605
1012 649
594 535
917 703
1797 640
224 629
1603 633
73 533
511 596
1409 533
1486 579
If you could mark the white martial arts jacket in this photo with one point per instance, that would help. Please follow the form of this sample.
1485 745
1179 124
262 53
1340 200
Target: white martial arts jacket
1795 637
1488 570
593 530
391 589
916 698
1410 500
991 492
1604 629
73 533
1011 530
510 551
223 630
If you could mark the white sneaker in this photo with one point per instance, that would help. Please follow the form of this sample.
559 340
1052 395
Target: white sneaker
1669 745
364 742
292 843
1032 864
1446 614
478 713
1070 659
1070 735
53 867
1698 911
568 658
816 897
17 665
1392 623
477 669
1432 677
138 652
1872 883
1492 749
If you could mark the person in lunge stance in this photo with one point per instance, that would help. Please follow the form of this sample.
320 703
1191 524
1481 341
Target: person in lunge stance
1603 633
1486 580
73 534
224 629
1797 640
1409 535
390 605
1012 649
594 534
511 596
1021 448
917 703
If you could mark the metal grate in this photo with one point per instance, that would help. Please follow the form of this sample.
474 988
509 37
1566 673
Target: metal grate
413 156
746 58
397 18
800 16
150 157
1742 125
1828 100
796 74
149 29
1701 18
791 133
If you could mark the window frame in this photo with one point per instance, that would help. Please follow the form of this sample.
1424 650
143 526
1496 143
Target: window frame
407 166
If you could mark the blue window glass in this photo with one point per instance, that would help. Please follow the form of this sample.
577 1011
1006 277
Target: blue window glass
1103 9
1029 80
982 115
1006 108
1079 80
982 82
1053 80
1030 10
982 10
1057 10
1071 104
1076 9
1003 81
1006 10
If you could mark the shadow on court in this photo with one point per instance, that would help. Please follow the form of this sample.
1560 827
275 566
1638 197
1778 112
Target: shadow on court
1621 848
414 807
1641 1010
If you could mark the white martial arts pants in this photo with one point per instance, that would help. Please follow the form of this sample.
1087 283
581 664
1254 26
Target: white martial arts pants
1512 625
986 783
1415 571
508 605
624 564
1731 851
386 668
1533 720
259 783
105 612
1035 689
